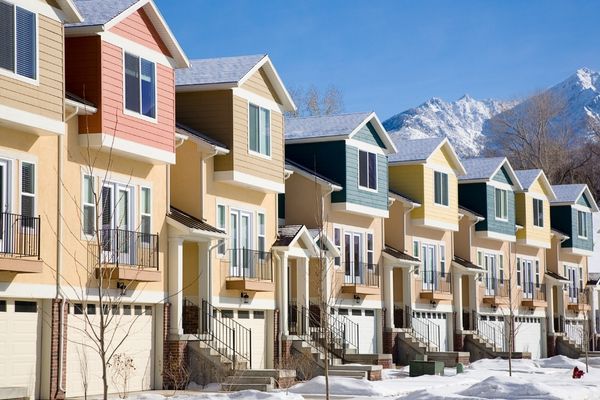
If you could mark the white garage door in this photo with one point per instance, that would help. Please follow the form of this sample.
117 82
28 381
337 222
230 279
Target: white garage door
256 322
574 330
528 335
134 323
436 322
19 344
361 328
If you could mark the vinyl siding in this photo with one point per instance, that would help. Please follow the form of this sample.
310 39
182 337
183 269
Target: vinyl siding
408 180
362 197
138 28
367 134
525 216
584 201
259 84
502 176
46 98
564 218
481 198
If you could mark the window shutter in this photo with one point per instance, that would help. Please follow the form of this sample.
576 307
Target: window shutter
7 37
26 51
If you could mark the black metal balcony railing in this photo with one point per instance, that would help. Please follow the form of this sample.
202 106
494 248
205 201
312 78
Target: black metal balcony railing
534 291
248 264
361 274
129 248
496 287
576 295
435 281
19 235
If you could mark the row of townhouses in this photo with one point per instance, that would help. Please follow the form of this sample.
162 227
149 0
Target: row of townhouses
174 199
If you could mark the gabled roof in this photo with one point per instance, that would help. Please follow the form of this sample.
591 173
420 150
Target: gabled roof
560 234
192 223
307 173
593 278
403 198
467 264
483 169
570 194
417 151
71 12
556 276
470 213
101 15
187 131
528 176
399 254
289 235
229 73
334 127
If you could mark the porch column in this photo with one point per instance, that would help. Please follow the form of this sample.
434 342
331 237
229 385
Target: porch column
593 311
203 273
302 288
328 272
560 301
176 286
388 295
284 294
457 296
550 310
407 287
473 300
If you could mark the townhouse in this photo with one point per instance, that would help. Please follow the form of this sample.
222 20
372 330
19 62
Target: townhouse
339 187
419 283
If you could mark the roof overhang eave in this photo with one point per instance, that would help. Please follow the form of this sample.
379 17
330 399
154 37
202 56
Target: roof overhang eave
194 233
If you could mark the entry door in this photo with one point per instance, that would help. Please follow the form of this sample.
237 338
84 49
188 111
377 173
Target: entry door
572 275
528 279
429 267
353 257
490 268
117 238
241 243
4 218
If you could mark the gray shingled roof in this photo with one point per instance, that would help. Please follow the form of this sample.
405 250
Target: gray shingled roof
414 149
593 278
480 168
286 235
399 254
212 71
567 193
186 130
402 196
323 126
527 176
467 264
99 12
191 221
468 210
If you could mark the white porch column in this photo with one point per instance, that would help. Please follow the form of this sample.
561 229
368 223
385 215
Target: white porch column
550 310
473 300
176 285
594 311
560 302
283 312
203 273
457 296
302 288
388 295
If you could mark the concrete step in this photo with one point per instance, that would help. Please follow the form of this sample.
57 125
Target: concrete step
348 374
235 387
273 373
242 379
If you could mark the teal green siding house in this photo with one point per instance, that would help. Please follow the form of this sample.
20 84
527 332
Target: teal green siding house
489 188
571 213
350 149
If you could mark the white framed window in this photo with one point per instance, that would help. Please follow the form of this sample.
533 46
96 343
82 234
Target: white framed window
337 241
480 262
261 232
18 40
537 274
580 278
370 251
28 200
416 248
89 206
501 204
441 188
259 130
582 228
501 268
538 213
146 213
221 225
442 260
518 272
367 170
140 86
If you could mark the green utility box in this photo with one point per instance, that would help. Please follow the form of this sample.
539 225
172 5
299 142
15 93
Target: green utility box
418 368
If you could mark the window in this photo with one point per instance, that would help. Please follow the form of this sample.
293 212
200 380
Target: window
518 272
243 314
259 314
115 309
356 312
537 273
369 313
137 310
226 313
91 309
148 310
28 193
2 305
501 204
582 229
480 263
260 130
343 311
89 206
370 251
416 247
25 306
501 268
580 278
367 168
18 37
337 241
126 309
78 309
538 212
441 188
442 260
140 82
221 226
261 233
146 214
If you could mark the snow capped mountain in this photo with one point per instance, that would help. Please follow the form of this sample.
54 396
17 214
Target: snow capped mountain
463 121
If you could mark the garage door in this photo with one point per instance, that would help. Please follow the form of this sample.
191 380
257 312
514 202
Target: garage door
435 322
528 335
133 323
493 328
361 329
19 344
574 330
255 321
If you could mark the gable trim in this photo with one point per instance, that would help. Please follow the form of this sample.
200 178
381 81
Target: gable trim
381 132
545 183
459 169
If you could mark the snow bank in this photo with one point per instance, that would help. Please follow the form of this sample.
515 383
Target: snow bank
504 387
499 364
560 362
340 386
243 395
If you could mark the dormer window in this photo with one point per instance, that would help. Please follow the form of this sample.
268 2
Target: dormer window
501 204
140 86
18 37
259 130
538 213
367 168
582 228
441 188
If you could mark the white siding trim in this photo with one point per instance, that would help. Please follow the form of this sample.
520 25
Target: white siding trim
127 148
247 180
138 49
32 122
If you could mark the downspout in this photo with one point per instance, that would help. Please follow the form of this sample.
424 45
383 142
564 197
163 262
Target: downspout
280 295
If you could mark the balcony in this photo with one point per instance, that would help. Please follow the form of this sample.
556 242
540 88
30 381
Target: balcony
496 292
435 286
125 255
248 270
578 300
359 278
20 243
534 295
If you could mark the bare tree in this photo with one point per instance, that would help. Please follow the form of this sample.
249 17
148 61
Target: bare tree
313 101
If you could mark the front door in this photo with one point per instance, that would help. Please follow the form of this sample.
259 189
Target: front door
117 238
5 222
528 279
353 258
572 276
491 274
429 267
241 243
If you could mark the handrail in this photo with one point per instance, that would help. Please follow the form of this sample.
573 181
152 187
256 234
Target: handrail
534 291
426 332
20 235
495 287
576 295
351 332
131 248
247 264
435 281
491 333
360 274
575 332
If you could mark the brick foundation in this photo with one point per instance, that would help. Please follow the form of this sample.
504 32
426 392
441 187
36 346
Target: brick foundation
459 341
390 345
551 345
374 375
55 392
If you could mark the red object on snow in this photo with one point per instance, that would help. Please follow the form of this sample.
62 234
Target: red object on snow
577 373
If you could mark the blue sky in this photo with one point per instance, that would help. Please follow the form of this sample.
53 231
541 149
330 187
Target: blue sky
388 56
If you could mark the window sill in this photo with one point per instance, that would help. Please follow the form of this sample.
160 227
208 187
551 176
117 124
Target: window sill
13 75
259 155
441 205
140 116
501 219
367 189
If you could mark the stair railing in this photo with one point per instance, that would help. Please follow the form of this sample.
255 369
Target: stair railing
575 333
346 332
426 332
491 333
